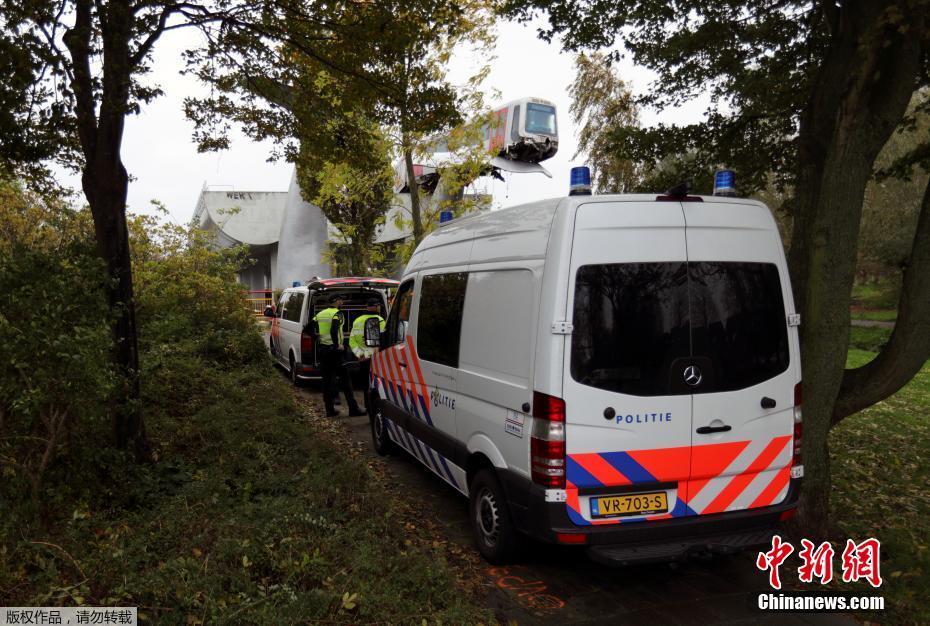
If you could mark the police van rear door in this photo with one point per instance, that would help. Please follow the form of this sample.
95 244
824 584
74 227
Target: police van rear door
745 355
628 422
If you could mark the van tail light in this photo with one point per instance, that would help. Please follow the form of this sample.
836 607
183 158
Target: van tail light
306 345
571 538
796 460
547 443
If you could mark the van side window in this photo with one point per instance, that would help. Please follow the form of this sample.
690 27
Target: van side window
498 312
293 306
439 326
400 313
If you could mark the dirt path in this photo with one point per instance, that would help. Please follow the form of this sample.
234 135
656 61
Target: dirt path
554 585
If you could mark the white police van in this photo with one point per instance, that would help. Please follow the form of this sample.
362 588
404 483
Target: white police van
619 372
292 341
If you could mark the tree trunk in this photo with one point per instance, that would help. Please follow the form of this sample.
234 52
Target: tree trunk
414 195
106 193
105 183
358 252
858 99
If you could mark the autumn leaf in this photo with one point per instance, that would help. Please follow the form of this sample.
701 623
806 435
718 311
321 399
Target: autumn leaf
349 601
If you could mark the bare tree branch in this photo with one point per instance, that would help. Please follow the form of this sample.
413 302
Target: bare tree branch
909 346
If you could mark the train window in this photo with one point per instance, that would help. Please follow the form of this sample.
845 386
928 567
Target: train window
540 118
515 127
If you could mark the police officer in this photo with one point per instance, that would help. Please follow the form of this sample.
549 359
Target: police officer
357 337
329 324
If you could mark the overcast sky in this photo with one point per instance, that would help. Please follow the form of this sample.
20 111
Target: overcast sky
159 153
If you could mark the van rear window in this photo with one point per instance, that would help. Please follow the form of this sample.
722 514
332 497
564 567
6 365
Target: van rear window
630 323
738 320
634 321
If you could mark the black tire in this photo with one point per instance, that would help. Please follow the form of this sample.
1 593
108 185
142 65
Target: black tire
495 534
380 440
293 371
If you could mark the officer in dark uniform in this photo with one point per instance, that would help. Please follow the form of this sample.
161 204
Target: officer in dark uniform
329 324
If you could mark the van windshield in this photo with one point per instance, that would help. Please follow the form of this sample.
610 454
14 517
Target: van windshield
634 321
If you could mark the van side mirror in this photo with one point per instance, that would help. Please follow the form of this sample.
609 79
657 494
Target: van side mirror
372 332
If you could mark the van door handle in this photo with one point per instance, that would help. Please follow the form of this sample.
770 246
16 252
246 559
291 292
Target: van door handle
402 364
706 430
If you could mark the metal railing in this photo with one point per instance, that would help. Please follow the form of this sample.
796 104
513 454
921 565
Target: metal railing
256 301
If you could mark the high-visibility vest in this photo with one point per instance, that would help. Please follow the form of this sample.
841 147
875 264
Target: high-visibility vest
324 323
357 336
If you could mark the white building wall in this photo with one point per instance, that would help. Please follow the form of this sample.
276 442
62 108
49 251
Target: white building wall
302 241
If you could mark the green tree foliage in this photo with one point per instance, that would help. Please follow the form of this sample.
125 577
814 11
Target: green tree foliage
603 107
74 77
323 79
81 61
473 28
354 193
803 95
464 160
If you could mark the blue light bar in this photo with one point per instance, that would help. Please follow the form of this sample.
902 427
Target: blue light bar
725 183
580 181
445 216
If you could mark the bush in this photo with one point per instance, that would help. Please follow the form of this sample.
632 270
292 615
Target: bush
55 374
187 300
248 514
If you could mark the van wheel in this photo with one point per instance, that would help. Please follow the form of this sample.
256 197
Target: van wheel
379 436
492 525
293 371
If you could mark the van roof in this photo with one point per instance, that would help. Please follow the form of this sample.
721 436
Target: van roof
346 282
352 281
537 216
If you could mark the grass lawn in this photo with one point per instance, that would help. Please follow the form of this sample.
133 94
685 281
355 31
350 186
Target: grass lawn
868 341
877 315
881 477
875 301
875 294
251 517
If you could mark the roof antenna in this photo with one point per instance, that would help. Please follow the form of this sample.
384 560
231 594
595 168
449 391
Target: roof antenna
680 190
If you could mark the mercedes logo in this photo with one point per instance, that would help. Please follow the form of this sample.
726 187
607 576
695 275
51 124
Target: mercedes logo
693 375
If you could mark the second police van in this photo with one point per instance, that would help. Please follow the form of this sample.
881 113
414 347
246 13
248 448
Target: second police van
619 372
